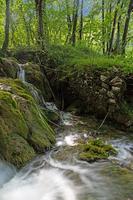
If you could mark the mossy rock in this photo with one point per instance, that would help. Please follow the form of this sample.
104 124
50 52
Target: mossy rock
95 149
8 67
52 116
34 75
21 118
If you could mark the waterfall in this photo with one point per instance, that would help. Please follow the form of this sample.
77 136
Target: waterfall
21 73
34 91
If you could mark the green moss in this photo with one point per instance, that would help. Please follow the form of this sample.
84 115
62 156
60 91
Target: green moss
21 120
8 67
95 149
16 150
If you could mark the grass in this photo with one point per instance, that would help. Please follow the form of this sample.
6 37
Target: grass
83 58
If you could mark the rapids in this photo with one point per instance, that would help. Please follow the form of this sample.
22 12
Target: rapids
49 178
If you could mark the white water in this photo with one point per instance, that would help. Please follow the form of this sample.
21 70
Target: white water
125 151
21 73
49 179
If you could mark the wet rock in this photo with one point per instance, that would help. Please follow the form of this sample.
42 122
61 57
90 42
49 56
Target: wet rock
8 67
95 149
23 128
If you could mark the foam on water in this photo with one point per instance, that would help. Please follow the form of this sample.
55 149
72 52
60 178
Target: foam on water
125 151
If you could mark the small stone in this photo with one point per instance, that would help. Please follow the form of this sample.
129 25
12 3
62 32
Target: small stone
116 81
103 78
104 85
110 94
112 101
116 90
103 91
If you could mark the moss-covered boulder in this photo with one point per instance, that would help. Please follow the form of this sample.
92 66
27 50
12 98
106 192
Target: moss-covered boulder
24 130
8 67
95 149
34 75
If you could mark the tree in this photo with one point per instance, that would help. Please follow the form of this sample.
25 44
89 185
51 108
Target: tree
103 26
39 13
69 22
113 28
75 20
7 26
124 38
81 21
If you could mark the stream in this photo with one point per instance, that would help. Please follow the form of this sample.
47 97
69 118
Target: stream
58 175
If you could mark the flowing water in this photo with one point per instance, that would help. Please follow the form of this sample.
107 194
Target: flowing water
21 73
59 176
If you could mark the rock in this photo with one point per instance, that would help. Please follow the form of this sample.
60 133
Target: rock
34 75
95 149
8 67
104 85
116 90
116 81
110 94
103 91
103 78
23 129
112 101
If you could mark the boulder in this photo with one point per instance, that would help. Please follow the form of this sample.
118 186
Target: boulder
24 130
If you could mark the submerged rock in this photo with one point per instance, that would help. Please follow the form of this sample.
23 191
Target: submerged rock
24 130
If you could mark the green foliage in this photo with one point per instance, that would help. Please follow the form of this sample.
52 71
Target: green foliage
83 58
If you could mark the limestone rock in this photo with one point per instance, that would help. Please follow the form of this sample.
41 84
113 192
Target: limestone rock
110 94
104 85
116 90
116 81
112 101
103 78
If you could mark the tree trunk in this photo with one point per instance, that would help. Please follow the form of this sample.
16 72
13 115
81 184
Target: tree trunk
109 27
124 38
113 29
39 14
117 47
69 23
75 19
103 25
81 21
7 26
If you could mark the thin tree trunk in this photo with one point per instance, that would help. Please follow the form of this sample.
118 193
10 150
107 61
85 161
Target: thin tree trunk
7 26
103 25
109 29
39 14
113 29
81 21
75 20
124 38
69 23
117 48
26 26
